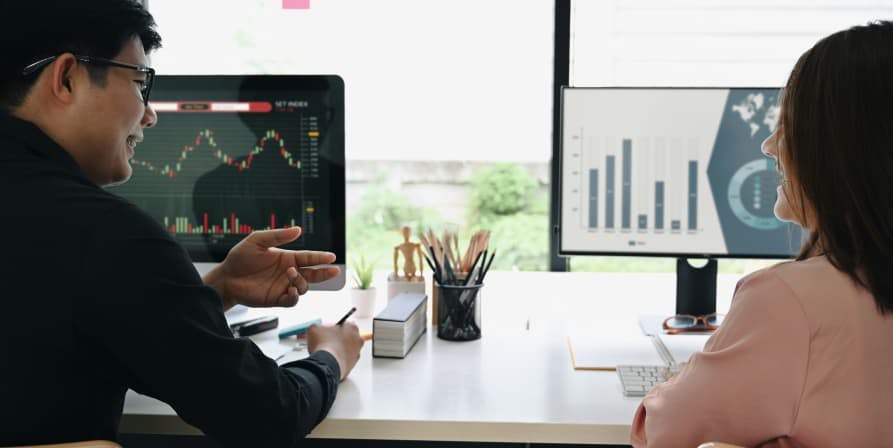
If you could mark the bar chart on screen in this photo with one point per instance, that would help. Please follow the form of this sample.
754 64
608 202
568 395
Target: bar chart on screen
665 197
648 170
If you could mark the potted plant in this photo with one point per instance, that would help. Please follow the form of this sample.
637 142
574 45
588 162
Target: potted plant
362 295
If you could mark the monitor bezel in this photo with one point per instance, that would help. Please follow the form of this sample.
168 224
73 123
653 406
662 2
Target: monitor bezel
569 253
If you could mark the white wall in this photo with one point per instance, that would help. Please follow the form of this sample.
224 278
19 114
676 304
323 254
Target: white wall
457 80
722 43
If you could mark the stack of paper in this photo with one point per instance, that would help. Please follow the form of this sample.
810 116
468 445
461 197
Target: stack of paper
398 327
599 351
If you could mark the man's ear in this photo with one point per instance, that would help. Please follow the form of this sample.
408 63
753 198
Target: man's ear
63 78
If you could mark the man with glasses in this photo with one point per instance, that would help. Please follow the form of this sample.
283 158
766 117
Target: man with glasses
145 86
98 298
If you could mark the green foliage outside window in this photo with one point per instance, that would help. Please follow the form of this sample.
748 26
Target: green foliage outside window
503 198
383 208
500 190
374 227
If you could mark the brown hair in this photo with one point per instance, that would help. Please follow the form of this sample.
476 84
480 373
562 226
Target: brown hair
837 125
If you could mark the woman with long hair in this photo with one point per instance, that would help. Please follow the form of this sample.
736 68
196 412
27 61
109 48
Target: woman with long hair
805 354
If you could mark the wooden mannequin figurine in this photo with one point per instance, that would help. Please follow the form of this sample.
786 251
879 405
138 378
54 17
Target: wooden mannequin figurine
409 250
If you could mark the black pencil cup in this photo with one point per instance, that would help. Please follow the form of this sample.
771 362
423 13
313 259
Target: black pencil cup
458 312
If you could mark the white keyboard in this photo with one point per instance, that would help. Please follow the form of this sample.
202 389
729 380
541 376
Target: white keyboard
638 380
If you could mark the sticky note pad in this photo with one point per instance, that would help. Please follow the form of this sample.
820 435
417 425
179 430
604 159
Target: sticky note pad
297 329
295 4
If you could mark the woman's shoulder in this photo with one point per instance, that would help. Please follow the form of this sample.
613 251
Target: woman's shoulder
812 271
766 286
815 283
814 274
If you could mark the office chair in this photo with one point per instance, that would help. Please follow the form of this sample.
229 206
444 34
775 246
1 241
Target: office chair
85 444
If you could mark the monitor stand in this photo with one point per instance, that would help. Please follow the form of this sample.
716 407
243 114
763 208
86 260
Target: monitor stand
695 287
695 293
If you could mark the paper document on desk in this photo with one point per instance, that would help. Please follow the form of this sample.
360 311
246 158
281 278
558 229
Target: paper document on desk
605 351
273 348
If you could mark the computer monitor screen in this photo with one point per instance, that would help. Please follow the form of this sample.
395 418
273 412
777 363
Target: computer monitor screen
233 154
670 172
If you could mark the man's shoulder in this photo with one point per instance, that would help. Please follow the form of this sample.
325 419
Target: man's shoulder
111 215
132 219
103 203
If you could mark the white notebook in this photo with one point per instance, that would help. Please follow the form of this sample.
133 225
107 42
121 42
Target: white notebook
601 351
604 352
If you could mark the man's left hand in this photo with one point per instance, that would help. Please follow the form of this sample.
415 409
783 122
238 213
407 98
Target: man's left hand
258 274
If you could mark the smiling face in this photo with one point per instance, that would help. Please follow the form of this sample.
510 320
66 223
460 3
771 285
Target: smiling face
110 118
787 205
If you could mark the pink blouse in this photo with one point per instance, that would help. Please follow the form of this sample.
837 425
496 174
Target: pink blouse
803 359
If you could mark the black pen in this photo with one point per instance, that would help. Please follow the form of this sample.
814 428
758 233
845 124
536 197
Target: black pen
341 321
471 272
450 276
434 257
434 270
486 268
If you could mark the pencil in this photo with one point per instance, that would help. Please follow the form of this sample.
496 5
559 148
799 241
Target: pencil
351 311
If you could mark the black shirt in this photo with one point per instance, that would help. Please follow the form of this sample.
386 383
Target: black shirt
97 298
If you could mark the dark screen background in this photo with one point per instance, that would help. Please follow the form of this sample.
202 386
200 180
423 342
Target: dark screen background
212 177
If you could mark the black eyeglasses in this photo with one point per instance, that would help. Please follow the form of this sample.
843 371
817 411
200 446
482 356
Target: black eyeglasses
145 87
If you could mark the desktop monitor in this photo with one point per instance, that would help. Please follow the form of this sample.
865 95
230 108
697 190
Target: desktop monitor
233 154
670 172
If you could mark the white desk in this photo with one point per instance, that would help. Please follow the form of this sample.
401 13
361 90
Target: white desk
515 384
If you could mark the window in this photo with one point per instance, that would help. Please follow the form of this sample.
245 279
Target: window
437 93
698 43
